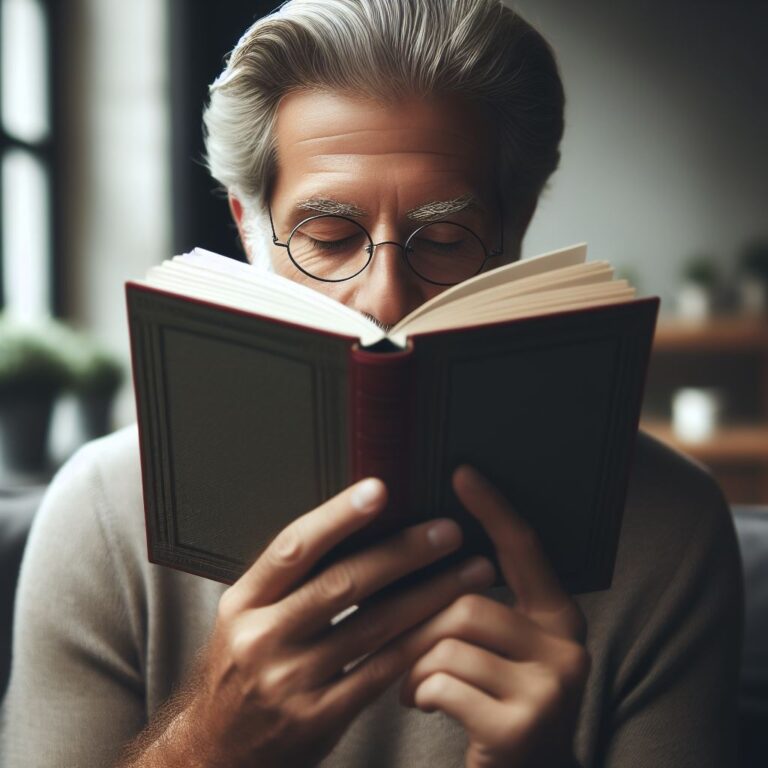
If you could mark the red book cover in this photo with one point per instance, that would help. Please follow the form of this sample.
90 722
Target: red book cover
247 422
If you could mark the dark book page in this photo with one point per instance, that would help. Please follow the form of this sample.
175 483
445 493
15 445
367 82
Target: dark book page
547 409
244 429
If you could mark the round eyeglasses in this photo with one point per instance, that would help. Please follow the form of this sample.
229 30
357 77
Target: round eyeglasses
335 248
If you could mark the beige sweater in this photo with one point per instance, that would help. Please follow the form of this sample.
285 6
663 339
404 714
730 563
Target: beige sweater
102 636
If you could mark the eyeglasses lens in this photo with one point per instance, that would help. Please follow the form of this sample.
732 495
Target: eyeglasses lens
336 248
330 247
445 253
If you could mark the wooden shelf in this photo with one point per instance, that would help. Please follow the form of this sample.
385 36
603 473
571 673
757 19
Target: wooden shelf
729 353
728 445
716 334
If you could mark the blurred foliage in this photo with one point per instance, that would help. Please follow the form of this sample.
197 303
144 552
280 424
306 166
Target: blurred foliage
701 270
50 357
30 362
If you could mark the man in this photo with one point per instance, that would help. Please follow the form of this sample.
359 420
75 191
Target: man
389 114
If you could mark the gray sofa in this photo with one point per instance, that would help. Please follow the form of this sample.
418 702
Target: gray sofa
752 530
17 510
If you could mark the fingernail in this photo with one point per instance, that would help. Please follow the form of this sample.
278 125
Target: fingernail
443 534
476 573
367 495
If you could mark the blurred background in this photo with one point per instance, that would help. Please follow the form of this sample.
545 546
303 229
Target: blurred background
664 173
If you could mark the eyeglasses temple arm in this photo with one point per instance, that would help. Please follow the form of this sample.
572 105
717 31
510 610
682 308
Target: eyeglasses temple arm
272 225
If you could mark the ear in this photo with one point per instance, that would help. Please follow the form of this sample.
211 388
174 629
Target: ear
237 211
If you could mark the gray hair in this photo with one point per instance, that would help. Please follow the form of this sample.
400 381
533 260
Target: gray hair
387 49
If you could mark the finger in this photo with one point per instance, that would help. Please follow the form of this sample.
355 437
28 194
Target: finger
310 608
347 695
521 557
378 622
300 545
483 622
476 666
483 717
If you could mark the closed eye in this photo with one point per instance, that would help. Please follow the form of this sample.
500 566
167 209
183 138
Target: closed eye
331 245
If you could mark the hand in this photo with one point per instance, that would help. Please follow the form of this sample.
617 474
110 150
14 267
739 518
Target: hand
512 676
277 686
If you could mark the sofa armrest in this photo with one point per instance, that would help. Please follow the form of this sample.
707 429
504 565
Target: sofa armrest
17 510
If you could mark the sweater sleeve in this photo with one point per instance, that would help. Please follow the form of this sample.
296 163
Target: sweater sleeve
676 690
76 691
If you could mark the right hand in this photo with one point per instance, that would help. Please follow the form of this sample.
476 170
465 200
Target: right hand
276 688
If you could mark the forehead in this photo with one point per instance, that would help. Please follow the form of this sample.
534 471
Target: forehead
412 148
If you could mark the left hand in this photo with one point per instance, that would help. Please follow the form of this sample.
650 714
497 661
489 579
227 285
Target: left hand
512 676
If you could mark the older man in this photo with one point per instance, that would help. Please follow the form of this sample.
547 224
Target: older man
386 113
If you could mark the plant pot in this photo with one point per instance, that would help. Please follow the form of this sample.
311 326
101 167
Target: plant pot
694 301
95 412
25 421
753 296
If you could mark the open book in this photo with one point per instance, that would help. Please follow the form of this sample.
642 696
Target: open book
258 398
557 281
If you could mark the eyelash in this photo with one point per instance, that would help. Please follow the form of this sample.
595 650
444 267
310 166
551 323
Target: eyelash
329 245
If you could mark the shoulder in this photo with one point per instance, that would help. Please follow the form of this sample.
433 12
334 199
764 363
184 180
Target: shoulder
666 637
658 466
677 548
96 492
114 458
672 500
90 520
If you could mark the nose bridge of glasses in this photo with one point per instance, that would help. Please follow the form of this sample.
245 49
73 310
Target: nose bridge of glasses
387 242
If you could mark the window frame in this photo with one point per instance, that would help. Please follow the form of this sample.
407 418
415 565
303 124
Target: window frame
46 151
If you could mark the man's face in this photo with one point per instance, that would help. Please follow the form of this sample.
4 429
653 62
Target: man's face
384 163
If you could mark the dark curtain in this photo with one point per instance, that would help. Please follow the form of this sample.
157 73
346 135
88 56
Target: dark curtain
202 34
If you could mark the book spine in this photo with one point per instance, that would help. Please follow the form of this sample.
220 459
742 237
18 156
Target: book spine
381 421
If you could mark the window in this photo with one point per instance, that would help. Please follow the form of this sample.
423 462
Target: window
26 183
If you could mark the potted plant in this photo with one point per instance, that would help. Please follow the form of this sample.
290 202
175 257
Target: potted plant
700 279
32 374
95 377
753 277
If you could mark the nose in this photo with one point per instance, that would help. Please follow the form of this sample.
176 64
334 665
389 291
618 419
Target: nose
388 289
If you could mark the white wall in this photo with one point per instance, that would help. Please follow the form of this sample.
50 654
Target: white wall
118 216
666 144
664 153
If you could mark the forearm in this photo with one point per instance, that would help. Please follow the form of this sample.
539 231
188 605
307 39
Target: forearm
174 739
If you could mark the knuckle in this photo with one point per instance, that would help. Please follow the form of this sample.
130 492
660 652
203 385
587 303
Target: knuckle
336 584
249 643
577 663
446 649
278 681
286 548
438 683
241 651
228 606
468 609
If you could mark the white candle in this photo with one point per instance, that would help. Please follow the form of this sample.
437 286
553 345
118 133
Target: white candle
695 413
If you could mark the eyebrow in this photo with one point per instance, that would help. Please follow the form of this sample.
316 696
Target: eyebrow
439 209
330 206
431 211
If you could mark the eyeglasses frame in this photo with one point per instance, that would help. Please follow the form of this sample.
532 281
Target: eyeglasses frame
372 246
